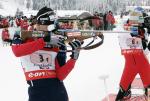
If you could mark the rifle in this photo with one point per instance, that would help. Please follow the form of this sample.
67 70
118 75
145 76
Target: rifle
68 36
71 34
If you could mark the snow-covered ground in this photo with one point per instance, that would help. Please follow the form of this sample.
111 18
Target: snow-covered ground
83 83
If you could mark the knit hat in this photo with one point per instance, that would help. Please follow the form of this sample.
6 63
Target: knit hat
45 16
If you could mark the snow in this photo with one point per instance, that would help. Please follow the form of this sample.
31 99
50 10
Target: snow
13 87
69 13
84 83
147 8
28 13
8 8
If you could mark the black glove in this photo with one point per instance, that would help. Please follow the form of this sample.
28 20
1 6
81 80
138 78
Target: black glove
47 38
56 41
75 45
16 39
144 44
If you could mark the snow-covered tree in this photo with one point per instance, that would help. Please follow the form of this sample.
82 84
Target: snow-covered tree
115 6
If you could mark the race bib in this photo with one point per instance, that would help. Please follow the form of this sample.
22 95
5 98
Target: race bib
40 60
128 42
43 60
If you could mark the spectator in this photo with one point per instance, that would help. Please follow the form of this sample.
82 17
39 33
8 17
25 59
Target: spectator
105 21
6 36
111 20
24 23
96 21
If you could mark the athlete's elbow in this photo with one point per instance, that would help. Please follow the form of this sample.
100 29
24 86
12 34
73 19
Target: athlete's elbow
16 52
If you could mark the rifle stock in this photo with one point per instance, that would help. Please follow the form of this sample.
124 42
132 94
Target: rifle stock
68 36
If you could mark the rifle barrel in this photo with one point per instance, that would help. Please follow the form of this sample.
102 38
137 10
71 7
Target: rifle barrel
94 31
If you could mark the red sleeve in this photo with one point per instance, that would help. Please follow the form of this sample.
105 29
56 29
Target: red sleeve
113 19
28 48
63 71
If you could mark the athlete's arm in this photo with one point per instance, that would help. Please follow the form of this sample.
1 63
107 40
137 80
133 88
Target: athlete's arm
28 48
63 71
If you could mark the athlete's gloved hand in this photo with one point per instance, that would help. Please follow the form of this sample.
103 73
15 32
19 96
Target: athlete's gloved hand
16 39
75 45
47 38
55 41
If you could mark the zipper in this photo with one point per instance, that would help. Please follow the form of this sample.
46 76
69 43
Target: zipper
31 83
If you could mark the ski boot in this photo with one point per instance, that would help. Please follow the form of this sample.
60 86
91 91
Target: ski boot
123 95
147 93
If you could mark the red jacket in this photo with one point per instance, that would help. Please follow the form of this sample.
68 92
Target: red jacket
97 22
18 21
110 18
5 34
33 46
24 24
5 22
